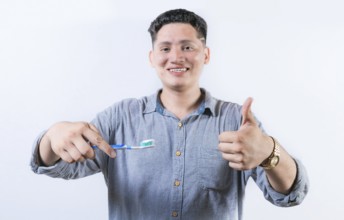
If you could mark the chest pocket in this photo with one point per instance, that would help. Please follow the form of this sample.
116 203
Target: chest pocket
214 172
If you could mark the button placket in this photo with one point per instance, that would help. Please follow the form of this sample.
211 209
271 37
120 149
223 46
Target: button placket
179 169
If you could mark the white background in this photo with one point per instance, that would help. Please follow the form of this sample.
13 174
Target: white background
69 59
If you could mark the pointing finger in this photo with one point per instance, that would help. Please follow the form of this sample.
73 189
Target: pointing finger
94 137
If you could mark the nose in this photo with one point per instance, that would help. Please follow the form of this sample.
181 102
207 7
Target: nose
177 55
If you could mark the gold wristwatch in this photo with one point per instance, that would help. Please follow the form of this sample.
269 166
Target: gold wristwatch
274 157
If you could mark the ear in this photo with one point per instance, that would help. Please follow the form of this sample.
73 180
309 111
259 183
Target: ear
206 55
150 56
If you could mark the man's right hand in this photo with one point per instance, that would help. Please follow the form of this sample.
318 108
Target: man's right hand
71 142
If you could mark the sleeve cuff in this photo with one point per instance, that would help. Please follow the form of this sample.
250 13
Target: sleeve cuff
36 164
297 193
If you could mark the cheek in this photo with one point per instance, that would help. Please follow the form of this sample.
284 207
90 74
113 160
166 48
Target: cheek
199 58
160 61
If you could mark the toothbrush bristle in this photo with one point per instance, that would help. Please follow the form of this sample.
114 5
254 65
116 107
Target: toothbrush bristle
147 143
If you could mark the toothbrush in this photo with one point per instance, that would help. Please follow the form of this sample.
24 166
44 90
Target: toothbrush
143 145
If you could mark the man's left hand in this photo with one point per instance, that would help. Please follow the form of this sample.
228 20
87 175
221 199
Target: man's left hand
247 147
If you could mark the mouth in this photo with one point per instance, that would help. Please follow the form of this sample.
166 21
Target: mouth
178 70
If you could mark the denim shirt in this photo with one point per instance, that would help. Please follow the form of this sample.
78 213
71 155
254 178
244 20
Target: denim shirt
184 176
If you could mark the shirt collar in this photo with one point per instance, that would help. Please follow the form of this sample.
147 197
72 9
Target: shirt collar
208 103
207 106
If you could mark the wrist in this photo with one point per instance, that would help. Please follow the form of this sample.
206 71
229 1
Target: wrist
273 159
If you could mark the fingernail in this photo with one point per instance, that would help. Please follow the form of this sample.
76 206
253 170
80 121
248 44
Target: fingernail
113 154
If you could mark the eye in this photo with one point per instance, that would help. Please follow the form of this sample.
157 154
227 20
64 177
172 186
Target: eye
188 48
165 49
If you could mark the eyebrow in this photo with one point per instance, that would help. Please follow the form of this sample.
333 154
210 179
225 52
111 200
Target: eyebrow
179 42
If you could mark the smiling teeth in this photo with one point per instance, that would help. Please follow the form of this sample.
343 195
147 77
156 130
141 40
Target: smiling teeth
178 70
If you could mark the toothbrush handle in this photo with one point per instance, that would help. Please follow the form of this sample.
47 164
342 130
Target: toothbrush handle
120 146
117 146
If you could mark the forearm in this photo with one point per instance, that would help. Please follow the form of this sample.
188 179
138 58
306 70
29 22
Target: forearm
283 175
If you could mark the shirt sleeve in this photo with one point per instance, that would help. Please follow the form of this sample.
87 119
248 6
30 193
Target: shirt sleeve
297 193
88 167
63 169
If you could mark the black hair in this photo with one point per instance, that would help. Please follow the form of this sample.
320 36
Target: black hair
179 16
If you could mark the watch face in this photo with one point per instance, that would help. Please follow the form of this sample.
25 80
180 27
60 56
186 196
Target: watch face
274 160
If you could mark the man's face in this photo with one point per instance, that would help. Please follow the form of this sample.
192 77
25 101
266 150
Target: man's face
178 56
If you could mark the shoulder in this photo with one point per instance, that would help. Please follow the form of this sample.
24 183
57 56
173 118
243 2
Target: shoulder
221 107
121 111
130 105
227 105
227 113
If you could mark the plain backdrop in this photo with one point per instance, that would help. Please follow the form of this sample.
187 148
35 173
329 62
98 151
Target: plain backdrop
70 59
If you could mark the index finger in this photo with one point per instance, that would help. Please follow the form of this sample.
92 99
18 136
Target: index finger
93 136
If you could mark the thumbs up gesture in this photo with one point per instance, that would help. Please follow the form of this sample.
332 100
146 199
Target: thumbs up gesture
247 147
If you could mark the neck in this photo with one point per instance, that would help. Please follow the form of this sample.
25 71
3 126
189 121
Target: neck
181 103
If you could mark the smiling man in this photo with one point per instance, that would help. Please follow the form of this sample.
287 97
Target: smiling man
206 149
178 56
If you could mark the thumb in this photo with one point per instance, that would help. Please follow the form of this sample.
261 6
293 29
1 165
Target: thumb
247 115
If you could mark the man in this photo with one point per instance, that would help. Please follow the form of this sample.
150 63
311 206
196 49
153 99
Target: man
205 152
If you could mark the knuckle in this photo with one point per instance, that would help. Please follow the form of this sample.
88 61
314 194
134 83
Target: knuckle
98 139
219 147
240 166
239 137
71 134
225 136
77 158
86 152
83 152
221 136
240 158
74 154
245 167
93 128
70 160
67 158
239 148
59 151
81 159
65 145
84 126
80 127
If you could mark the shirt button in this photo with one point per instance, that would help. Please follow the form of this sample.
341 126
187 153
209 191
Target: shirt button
174 214
178 153
176 183
180 124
